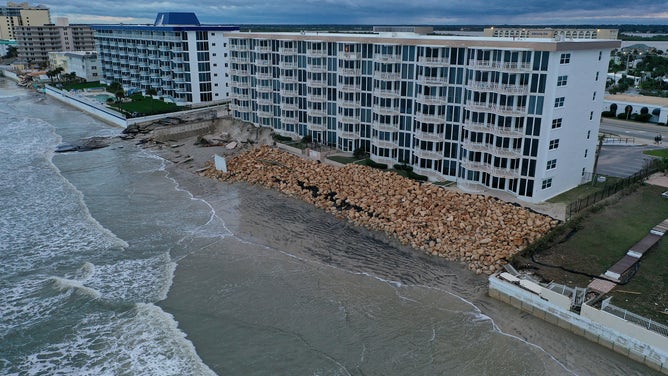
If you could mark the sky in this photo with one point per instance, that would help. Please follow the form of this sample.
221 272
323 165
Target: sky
376 12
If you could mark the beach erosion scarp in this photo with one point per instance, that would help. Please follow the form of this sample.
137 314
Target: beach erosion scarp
481 231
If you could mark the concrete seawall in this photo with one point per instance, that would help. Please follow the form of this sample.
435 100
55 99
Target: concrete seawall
606 329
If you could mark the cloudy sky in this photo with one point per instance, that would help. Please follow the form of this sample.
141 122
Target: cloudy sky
437 12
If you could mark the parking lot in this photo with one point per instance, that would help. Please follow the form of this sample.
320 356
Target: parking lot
622 161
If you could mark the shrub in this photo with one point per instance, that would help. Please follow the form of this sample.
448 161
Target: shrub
280 138
403 166
370 163
643 117
359 153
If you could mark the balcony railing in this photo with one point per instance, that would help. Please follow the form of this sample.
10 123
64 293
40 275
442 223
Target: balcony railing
432 61
287 64
386 110
316 83
385 144
316 112
500 65
316 97
430 99
349 104
387 58
385 127
264 75
263 49
348 135
498 131
350 88
287 50
499 88
387 76
316 53
349 55
349 72
316 126
348 119
386 93
429 136
429 118
432 80
484 167
316 68
428 154
264 101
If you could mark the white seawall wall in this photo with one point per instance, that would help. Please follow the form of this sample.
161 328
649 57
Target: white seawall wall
598 326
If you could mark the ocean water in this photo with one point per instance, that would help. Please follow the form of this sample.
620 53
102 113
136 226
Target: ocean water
113 262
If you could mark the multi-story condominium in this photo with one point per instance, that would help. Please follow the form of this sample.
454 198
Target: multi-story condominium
35 42
14 15
85 64
489 113
529 32
185 61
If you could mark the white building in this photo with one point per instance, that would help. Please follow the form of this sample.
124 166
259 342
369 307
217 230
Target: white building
548 32
518 116
182 59
85 64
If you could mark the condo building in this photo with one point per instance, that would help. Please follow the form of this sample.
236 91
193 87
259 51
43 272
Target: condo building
185 61
516 116
21 14
35 42
85 64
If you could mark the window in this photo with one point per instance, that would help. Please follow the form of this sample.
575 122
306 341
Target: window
547 183
588 134
593 97
556 123
591 115
600 54
562 80
559 102
554 144
586 151
552 163
596 76
565 58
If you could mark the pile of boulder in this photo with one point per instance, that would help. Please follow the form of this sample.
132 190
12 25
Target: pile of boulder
481 231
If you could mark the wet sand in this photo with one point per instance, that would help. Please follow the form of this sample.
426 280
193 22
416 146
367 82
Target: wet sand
273 232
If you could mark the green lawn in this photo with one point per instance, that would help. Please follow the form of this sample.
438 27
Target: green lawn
603 238
661 153
582 191
344 160
146 106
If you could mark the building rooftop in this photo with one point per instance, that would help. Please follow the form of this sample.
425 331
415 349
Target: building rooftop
640 99
176 18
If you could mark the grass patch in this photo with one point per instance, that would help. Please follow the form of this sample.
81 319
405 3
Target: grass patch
661 153
146 106
582 191
342 159
83 85
602 237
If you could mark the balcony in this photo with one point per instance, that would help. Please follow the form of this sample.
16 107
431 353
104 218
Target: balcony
387 76
287 50
263 75
350 88
432 80
288 79
316 112
264 88
316 68
428 154
348 135
384 127
263 62
349 104
354 72
499 88
239 47
430 99
385 144
289 92
316 83
316 53
265 114
287 64
241 84
289 106
349 55
429 136
261 101
386 93
429 118
433 61
495 171
316 126
239 59
316 97
498 131
502 66
241 96
289 119
387 58
348 119
386 110
263 49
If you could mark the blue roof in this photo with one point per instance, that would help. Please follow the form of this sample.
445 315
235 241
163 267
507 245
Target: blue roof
176 18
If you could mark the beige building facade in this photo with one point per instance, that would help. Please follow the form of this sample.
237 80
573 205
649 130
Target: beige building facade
35 42
526 32
21 14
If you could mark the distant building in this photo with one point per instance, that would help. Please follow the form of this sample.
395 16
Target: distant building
182 59
4 46
23 14
85 64
35 42
519 117
636 104
529 32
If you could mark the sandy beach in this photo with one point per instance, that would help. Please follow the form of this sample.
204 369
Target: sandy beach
283 244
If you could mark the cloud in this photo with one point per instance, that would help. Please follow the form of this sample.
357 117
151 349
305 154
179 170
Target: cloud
490 12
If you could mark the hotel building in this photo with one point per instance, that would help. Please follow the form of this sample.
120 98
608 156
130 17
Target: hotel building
35 42
185 61
14 15
517 116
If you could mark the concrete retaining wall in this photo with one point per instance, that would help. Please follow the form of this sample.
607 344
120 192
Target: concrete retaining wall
176 132
87 105
593 324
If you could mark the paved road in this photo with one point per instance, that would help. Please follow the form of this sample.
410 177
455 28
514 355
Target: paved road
622 161
641 132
